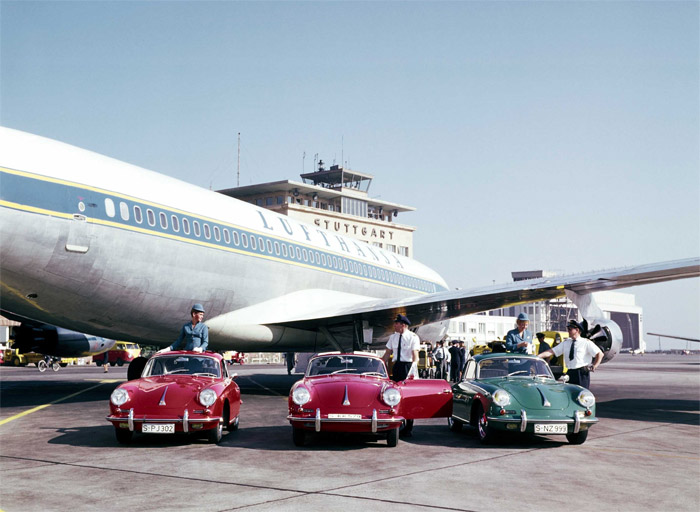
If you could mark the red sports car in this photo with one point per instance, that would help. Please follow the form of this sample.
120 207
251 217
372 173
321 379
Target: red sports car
353 393
178 391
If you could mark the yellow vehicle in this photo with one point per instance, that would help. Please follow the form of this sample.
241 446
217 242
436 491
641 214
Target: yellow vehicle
426 367
552 339
14 358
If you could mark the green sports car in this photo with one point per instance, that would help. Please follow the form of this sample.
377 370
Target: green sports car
507 392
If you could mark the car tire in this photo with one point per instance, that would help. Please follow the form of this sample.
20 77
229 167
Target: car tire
298 436
15 361
98 363
454 424
392 438
485 432
578 438
120 362
217 433
123 435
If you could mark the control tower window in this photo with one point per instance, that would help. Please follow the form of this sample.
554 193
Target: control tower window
354 207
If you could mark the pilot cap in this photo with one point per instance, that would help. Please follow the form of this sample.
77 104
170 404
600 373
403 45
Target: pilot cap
403 319
523 316
574 323
198 307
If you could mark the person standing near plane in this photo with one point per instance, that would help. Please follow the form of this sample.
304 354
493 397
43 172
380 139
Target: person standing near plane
194 335
582 355
403 345
520 339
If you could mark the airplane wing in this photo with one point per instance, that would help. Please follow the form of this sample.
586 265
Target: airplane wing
340 313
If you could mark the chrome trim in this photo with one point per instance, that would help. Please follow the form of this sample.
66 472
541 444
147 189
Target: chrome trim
318 420
501 419
374 420
130 419
345 400
162 398
308 419
523 420
162 420
185 419
545 402
577 421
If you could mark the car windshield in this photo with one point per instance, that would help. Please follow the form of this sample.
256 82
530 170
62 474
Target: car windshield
354 364
187 365
513 366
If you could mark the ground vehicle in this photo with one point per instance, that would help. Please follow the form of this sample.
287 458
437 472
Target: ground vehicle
13 357
122 352
517 393
233 357
426 367
178 392
353 393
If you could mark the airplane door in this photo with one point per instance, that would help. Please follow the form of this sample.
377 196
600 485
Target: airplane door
78 235
425 398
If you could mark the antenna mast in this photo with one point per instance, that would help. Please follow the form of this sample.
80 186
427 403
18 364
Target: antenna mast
238 173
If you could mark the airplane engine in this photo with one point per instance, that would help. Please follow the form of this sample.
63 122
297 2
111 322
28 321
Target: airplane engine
432 332
606 334
56 341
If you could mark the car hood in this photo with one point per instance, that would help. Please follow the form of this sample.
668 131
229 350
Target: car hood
167 392
533 394
331 391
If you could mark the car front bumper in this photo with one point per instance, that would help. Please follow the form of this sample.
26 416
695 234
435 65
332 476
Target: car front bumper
317 421
188 422
579 421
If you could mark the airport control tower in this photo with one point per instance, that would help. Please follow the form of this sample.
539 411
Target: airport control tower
336 199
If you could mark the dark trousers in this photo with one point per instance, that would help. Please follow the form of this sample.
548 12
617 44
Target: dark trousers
454 371
400 371
580 376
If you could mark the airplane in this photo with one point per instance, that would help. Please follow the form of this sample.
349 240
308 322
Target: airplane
93 244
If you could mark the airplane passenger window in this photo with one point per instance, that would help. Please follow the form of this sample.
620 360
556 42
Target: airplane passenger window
306 254
109 207
137 214
207 232
227 236
175 222
277 248
269 247
291 251
298 254
318 257
151 217
253 243
364 269
244 239
163 221
323 260
345 265
217 233
261 243
124 210
236 238
284 250
195 225
186 226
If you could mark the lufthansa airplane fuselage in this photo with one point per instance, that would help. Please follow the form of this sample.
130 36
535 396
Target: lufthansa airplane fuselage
103 247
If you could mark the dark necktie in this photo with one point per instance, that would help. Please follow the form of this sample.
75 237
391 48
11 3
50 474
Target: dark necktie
571 350
398 355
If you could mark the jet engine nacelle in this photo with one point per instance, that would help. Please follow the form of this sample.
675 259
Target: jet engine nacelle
606 334
56 341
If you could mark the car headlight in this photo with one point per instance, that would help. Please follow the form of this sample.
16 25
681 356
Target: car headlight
501 398
300 395
119 396
207 397
391 396
586 398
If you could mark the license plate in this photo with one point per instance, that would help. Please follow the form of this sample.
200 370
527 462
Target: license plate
550 429
345 416
158 428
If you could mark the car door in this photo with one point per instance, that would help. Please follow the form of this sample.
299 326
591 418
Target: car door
425 398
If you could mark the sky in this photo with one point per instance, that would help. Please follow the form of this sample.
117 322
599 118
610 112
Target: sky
528 135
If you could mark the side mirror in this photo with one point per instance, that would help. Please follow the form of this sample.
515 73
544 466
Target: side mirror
234 376
564 378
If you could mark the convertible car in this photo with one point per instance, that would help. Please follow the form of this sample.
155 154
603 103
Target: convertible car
183 392
353 393
506 392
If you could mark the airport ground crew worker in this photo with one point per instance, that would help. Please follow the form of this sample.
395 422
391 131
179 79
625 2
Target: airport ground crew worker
520 339
194 335
582 355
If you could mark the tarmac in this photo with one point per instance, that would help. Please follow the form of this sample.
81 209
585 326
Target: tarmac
57 452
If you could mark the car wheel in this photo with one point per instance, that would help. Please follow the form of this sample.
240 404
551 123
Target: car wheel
15 361
123 435
579 438
216 433
392 437
454 424
120 362
98 363
486 433
234 424
298 436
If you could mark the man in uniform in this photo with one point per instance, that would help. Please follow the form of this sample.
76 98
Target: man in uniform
194 335
520 339
582 355
403 345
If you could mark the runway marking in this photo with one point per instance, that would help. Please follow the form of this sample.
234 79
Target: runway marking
40 407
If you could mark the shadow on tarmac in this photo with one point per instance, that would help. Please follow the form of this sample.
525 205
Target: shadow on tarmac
683 412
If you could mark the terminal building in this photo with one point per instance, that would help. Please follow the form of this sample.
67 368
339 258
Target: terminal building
337 199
